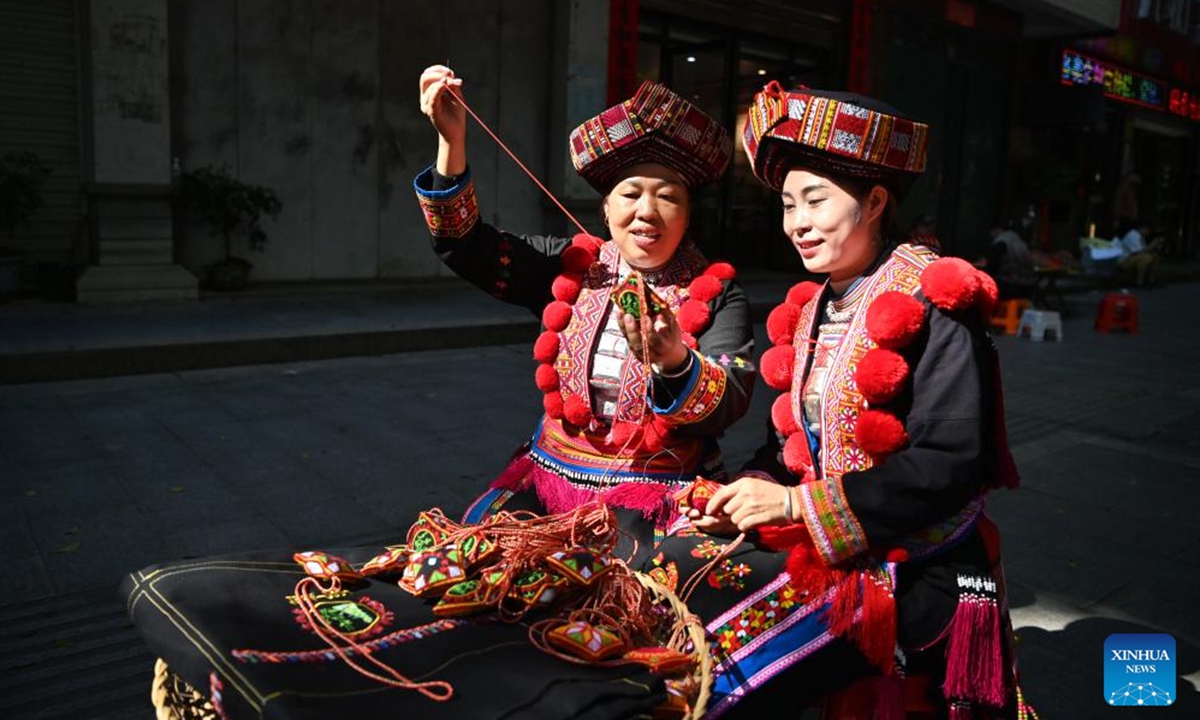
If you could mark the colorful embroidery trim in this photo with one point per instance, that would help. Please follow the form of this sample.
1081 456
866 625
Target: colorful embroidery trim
836 533
451 217
328 655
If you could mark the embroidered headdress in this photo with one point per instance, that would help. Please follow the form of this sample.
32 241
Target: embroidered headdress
835 132
655 125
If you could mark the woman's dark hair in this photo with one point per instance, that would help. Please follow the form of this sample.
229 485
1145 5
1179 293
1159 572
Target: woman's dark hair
860 188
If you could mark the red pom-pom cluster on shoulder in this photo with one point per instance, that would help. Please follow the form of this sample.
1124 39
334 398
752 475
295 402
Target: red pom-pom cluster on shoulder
954 285
693 317
777 367
893 321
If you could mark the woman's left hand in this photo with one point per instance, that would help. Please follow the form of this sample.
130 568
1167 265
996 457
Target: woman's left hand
661 335
747 503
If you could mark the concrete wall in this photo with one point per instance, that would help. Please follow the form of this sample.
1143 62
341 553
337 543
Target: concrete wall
318 100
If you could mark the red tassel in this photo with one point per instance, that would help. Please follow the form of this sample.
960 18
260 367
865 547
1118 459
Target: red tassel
889 702
974 652
545 348
809 574
876 633
777 538
704 288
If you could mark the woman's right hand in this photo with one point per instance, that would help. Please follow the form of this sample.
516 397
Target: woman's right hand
439 88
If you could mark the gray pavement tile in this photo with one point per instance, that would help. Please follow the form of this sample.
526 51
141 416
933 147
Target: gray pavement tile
187 498
146 451
95 550
231 536
311 522
23 573
71 490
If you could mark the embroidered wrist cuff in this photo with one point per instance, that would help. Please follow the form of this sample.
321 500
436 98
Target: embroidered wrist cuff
836 532
449 213
700 395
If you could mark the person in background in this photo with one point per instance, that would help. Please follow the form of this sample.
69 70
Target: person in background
1010 261
1137 254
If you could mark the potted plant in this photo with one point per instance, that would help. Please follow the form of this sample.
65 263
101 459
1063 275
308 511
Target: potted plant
22 177
231 210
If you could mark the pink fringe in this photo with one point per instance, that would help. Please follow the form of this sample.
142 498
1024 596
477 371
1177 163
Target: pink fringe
889 703
558 495
974 655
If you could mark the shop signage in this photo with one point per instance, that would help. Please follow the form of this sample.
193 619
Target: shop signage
1128 86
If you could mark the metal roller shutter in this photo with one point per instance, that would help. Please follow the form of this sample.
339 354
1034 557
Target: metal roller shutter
39 111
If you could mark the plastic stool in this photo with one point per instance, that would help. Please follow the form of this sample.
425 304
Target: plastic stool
1038 322
1007 315
1118 311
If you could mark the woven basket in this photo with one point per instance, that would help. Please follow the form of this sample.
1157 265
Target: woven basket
702 672
175 699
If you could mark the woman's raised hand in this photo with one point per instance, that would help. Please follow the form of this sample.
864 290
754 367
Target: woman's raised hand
439 88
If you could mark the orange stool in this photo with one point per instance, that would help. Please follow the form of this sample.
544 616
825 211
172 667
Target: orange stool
1118 311
1007 315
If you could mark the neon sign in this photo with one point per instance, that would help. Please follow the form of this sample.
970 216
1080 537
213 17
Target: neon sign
1126 86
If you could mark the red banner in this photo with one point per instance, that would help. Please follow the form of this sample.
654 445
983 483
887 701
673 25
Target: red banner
622 49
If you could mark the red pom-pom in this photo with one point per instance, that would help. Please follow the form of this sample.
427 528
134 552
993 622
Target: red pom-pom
797 458
894 319
782 322
545 348
591 243
577 411
546 378
897 555
776 367
782 416
989 294
802 292
552 402
951 283
688 339
623 433
556 316
721 271
693 316
577 259
655 434
705 288
566 287
881 375
879 433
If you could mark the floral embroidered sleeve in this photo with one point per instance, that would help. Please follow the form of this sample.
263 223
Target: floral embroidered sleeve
716 391
517 269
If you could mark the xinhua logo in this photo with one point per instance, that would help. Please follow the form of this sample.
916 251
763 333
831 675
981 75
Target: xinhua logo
1139 670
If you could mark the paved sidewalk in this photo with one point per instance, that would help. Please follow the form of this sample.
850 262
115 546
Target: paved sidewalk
102 476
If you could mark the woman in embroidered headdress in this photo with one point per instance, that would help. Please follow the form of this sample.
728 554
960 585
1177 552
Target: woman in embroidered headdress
886 436
629 416
475 620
